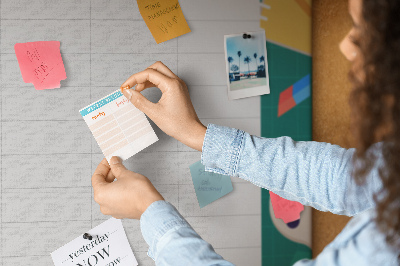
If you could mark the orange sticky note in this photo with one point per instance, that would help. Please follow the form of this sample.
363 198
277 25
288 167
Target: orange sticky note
164 18
284 209
41 63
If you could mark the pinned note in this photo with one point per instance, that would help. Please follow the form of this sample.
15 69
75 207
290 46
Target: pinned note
118 126
209 186
108 246
164 18
41 63
287 210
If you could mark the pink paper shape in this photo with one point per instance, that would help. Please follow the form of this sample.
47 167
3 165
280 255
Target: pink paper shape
41 63
284 209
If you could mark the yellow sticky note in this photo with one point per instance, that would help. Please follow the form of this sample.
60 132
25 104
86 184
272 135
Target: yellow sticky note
164 18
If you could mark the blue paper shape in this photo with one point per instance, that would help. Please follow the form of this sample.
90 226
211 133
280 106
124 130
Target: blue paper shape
302 95
209 186
301 89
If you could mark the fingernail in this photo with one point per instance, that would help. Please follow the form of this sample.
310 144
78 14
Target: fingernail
115 160
128 94
124 88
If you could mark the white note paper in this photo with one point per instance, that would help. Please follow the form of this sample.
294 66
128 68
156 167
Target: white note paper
118 126
108 247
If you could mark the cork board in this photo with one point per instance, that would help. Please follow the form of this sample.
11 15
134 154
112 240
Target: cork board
331 88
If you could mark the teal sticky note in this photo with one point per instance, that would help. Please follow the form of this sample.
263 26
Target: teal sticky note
209 186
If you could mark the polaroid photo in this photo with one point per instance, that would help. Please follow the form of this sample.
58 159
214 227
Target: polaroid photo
246 65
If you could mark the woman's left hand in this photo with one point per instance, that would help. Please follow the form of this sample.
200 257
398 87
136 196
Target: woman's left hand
127 197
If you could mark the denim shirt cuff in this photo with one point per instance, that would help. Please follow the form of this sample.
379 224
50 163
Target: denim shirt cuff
222 148
158 219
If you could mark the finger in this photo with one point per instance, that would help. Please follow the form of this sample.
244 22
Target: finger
159 80
100 174
110 177
140 102
160 67
142 86
105 210
117 167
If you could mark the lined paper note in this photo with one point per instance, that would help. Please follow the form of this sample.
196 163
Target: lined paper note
119 128
209 186
164 18
41 63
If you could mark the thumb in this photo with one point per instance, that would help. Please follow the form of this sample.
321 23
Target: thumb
117 167
138 100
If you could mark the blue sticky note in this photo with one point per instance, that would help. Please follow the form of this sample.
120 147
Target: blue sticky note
209 186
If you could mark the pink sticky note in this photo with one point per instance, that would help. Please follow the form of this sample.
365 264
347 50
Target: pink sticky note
41 63
284 209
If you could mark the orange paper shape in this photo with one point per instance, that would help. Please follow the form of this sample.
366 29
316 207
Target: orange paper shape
164 18
41 63
284 209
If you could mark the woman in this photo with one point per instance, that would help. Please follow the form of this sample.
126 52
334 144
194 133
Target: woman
360 182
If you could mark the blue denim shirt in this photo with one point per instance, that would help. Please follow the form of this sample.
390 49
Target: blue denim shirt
312 173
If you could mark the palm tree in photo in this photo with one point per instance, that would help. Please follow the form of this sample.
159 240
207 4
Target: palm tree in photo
234 68
230 60
262 59
239 53
247 60
255 60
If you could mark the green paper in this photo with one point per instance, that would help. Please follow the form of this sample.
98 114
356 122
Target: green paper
285 68
209 186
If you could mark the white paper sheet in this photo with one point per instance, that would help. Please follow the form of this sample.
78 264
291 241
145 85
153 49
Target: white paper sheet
118 126
108 247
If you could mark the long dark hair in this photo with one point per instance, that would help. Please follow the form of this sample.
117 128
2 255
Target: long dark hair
375 103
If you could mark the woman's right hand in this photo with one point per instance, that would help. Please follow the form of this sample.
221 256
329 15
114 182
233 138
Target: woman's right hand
174 112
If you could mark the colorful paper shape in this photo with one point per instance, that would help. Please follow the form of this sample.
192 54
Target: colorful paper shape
287 210
164 18
209 186
41 63
294 95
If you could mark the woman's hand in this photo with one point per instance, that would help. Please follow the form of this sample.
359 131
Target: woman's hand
127 197
174 112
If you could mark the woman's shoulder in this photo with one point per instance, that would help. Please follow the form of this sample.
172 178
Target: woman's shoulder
362 240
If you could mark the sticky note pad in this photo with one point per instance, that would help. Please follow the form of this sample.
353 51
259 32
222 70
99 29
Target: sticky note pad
284 209
118 126
209 186
164 18
41 63
108 246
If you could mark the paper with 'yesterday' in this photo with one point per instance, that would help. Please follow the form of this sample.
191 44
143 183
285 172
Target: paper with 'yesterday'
109 246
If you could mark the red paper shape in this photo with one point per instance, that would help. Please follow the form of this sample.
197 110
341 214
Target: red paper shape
286 101
41 63
284 209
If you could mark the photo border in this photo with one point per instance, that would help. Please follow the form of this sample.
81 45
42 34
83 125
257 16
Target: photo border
249 92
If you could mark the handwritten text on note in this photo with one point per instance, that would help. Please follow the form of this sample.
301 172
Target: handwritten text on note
41 63
209 186
164 18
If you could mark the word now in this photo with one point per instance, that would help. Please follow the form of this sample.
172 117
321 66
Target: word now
94 259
